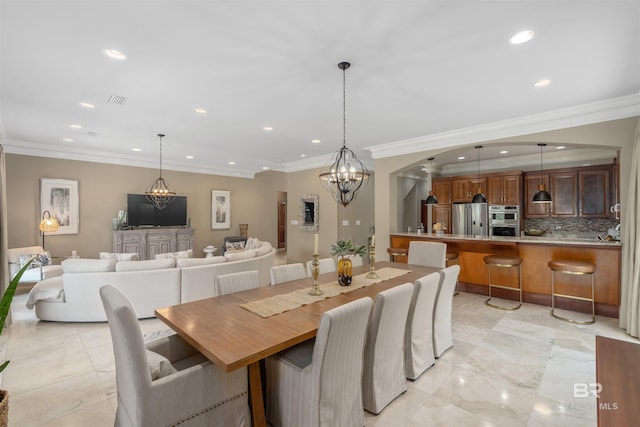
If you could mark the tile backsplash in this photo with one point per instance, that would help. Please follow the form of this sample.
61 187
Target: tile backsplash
573 225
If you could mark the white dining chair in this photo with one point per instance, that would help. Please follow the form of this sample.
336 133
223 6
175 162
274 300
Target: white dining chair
166 381
384 378
442 335
356 261
236 282
287 273
319 382
327 265
429 254
418 341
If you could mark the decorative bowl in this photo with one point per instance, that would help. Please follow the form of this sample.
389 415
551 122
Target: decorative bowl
534 232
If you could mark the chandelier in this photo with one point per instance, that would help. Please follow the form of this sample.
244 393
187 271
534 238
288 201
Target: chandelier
158 193
345 175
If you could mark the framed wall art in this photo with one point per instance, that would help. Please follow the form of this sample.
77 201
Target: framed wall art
61 199
220 209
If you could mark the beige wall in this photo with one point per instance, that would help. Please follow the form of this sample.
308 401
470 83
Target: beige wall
103 191
617 134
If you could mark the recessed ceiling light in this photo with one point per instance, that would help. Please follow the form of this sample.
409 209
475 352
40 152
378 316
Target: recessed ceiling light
559 147
268 128
265 168
504 152
315 141
86 105
586 164
68 139
303 155
75 126
189 157
522 37
136 149
200 111
115 54
461 158
231 163
542 83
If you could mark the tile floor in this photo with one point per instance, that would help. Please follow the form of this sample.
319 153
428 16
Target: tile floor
505 369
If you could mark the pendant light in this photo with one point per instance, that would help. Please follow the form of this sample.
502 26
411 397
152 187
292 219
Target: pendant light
542 196
479 197
158 193
345 175
431 200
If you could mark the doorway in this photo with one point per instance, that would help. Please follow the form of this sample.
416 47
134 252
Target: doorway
282 220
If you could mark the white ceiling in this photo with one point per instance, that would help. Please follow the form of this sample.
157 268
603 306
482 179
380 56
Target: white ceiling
419 69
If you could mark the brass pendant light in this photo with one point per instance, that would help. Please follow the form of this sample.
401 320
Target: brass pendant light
542 196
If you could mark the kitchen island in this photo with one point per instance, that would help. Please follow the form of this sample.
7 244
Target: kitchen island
535 252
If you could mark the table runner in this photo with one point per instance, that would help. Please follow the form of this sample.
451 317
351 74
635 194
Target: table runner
268 307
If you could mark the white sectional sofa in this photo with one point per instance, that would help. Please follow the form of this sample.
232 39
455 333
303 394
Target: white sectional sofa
149 284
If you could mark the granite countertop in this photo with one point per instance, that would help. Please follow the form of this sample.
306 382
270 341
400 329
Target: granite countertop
586 239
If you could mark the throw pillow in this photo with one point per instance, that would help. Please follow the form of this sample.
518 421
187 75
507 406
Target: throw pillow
252 243
235 256
176 255
149 264
234 246
43 258
119 256
159 366
265 248
86 265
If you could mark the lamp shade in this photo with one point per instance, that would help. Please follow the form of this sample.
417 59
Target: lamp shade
542 196
479 198
48 224
432 200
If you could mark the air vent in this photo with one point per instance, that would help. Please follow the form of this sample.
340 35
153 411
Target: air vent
89 133
117 99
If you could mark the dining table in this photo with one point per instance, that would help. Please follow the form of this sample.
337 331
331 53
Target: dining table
233 337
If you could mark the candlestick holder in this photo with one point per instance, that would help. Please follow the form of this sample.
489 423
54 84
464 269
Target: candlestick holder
372 263
315 270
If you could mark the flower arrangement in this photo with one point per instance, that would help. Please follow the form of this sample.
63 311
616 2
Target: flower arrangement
346 249
438 226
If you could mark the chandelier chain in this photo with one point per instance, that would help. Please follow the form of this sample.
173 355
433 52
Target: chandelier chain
344 107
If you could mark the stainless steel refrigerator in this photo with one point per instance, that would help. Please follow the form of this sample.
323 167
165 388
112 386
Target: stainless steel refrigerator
470 219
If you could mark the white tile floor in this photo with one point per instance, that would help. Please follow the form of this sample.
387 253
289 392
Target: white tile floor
505 369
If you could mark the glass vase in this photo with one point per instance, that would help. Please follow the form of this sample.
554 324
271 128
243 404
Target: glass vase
344 271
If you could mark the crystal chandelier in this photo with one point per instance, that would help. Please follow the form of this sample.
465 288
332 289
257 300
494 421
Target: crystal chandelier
158 193
345 175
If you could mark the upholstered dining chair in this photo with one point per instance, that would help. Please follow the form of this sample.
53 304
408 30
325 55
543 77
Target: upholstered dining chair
168 382
429 254
319 382
442 336
418 338
383 378
356 261
286 273
327 265
236 282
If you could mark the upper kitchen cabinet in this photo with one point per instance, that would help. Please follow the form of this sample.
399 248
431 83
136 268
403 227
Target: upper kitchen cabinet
595 193
531 183
441 188
563 187
464 188
505 190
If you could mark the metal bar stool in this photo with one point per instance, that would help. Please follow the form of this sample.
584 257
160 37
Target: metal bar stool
504 261
573 267
394 253
453 259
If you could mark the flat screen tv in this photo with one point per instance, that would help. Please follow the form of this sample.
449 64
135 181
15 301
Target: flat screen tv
141 213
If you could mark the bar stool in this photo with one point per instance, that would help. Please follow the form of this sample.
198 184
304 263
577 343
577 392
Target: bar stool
573 267
396 252
504 261
453 259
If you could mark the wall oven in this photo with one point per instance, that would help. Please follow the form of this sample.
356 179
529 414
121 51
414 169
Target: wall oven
504 220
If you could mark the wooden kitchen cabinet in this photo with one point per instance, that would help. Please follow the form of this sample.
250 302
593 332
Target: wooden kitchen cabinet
595 194
504 190
563 187
442 214
441 188
465 188
531 183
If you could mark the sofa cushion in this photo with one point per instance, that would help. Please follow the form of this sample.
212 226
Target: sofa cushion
235 256
159 366
252 243
265 248
46 290
41 258
149 264
191 262
87 265
120 256
176 255
234 246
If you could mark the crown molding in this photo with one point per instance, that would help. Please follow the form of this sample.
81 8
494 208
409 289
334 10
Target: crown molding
97 156
580 115
318 162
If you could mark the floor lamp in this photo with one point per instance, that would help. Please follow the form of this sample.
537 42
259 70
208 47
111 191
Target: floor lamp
48 224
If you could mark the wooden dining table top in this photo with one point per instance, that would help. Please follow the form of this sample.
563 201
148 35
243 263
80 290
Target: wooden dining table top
233 337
